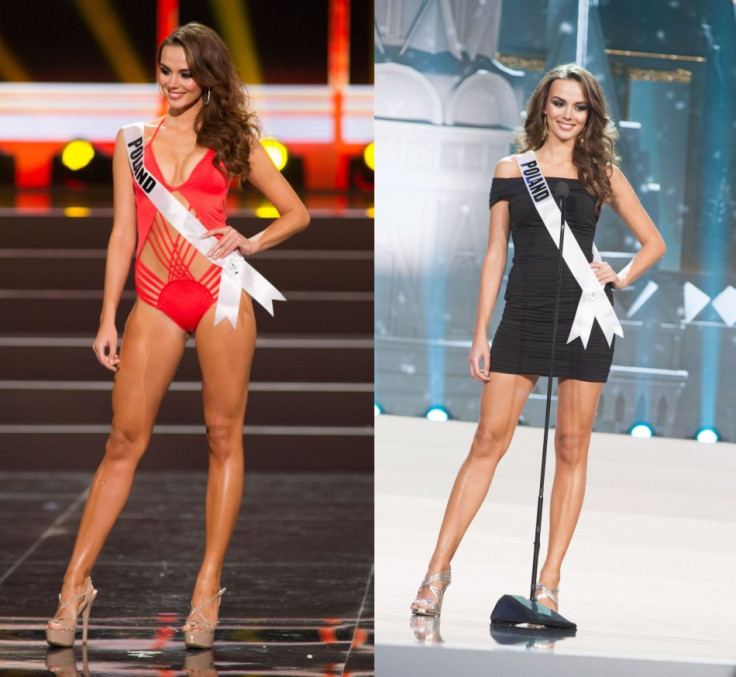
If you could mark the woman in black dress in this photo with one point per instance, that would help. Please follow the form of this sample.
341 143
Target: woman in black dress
568 127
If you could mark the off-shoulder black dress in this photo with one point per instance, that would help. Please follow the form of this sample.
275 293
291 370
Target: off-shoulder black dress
523 339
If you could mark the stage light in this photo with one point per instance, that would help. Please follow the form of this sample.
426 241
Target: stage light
707 435
277 151
437 414
79 165
77 155
369 155
267 212
75 212
377 409
641 430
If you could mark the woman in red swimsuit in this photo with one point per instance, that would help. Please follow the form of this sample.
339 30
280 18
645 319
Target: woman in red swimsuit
206 139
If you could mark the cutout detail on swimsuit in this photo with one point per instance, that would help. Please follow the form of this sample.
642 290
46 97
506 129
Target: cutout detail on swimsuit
170 274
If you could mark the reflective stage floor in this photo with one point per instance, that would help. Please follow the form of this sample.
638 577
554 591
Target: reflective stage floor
299 577
648 578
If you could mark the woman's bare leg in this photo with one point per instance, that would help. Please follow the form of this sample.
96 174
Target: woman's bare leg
225 356
151 350
577 404
501 404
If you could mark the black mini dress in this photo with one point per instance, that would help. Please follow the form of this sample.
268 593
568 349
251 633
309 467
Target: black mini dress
522 342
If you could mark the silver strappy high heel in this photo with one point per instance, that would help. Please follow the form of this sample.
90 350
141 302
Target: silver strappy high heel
543 592
432 607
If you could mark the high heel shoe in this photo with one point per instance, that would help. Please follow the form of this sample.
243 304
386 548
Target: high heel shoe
64 636
543 592
201 633
433 607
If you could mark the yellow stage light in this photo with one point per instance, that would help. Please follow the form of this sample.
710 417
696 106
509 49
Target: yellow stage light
77 154
77 211
267 212
369 155
277 151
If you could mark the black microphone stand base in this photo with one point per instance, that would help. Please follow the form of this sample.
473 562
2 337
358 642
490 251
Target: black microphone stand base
515 610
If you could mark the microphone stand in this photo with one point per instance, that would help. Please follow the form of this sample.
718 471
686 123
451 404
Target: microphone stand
562 190
519 614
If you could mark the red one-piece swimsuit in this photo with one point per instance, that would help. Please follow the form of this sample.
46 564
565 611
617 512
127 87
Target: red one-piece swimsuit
170 274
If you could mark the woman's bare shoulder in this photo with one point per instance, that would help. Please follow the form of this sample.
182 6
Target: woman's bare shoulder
507 168
148 130
618 179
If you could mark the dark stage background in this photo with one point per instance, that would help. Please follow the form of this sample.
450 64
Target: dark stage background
309 63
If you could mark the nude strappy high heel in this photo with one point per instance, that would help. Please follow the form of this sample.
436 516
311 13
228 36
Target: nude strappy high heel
201 633
543 592
64 635
433 607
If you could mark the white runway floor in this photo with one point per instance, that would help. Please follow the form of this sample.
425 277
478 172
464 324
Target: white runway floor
650 577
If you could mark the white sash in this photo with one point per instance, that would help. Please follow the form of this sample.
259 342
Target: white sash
236 273
593 304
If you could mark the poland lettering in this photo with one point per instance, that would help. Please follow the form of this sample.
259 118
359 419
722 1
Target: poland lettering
144 179
535 181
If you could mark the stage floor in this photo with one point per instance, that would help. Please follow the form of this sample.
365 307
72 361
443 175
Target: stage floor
299 577
648 578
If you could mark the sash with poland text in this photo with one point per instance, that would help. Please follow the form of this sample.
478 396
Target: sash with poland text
237 274
593 303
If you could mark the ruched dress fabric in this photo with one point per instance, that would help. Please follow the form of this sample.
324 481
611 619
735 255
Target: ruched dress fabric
523 340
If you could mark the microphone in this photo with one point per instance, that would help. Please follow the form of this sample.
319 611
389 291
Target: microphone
562 190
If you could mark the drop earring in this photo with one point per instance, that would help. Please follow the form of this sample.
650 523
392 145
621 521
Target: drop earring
207 95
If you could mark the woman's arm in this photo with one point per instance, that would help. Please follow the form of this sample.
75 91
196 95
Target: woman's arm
293 215
626 204
120 251
491 276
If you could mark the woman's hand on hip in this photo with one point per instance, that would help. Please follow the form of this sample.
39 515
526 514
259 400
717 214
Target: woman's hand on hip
230 241
605 274
480 354
106 347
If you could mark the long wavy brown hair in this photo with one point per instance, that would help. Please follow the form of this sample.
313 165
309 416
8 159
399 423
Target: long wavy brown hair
225 124
595 148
